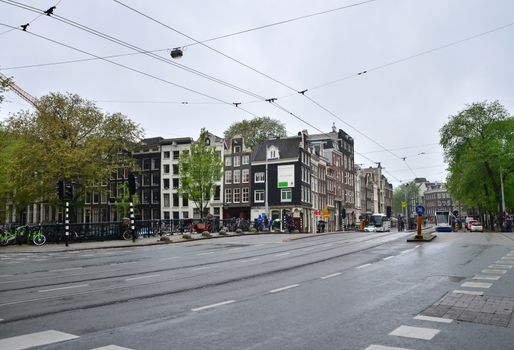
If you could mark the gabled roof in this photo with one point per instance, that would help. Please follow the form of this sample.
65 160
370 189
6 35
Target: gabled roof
288 148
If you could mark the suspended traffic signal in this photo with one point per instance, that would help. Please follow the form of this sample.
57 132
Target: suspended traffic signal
69 191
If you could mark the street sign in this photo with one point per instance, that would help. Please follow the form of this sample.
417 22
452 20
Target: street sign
326 214
420 210
404 204
317 213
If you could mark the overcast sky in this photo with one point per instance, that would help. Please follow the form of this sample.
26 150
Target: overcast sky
400 106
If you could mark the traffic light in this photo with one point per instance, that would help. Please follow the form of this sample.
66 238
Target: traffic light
69 191
343 212
60 189
132 184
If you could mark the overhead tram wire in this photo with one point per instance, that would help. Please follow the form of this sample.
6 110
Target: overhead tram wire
107 37
135 48
261 73
133 69
195 43
36 18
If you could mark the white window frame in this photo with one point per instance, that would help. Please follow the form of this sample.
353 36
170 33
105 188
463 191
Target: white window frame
284 191
245 176
260 194
237 176
259 175
228 161
237 161
228 195
228 177
238 192
245 160
245 195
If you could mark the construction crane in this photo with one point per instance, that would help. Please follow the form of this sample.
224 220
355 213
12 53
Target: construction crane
19 91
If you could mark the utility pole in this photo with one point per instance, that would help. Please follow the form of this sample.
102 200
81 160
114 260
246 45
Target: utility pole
503 194
266 209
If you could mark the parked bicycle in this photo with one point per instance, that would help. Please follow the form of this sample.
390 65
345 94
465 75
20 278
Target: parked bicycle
36 235
10 236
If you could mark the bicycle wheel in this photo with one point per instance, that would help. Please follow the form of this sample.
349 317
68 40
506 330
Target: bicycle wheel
127 235
39 239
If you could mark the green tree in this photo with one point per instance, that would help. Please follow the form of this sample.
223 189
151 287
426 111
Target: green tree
256 130
478 145
200 169
407 190
123 202
68 138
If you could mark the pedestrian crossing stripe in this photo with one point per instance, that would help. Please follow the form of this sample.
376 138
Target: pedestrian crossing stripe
111 347
35 339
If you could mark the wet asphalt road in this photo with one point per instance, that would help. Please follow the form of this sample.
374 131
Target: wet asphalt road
342 291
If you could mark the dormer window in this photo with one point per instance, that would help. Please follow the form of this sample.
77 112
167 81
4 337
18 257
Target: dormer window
273 153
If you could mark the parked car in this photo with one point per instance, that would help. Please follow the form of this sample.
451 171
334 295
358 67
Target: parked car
476 226
468 221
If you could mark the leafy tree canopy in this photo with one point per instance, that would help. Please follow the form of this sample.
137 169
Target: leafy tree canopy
256 130
4 86
406 190
67 137
200 169
478 144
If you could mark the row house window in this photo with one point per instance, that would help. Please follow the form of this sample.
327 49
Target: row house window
228 195
259 177
245 195
237 176
286 195
246 160
166 184
237 195
237 161
166 200
176 155
228 161
259 196
166 154
228 177
166 168
245 176
175 169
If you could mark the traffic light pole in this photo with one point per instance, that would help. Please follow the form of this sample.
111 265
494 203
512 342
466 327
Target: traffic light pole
67 223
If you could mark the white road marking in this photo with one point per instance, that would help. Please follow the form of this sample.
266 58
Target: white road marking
248 260
282 254
140 277
170 258
362 266
476 285
419 245
330 276
486 277
381 347
35 339
433 319
469 292
68 269
498 266
207 253
283 288
61 288
415 332
2 276
88 255
494 271
307 249
111 347
204 267
507 258
389 257
406 251
213 305
327 245
124 263
259 245
1 319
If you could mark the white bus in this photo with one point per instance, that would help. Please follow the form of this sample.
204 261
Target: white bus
378 223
